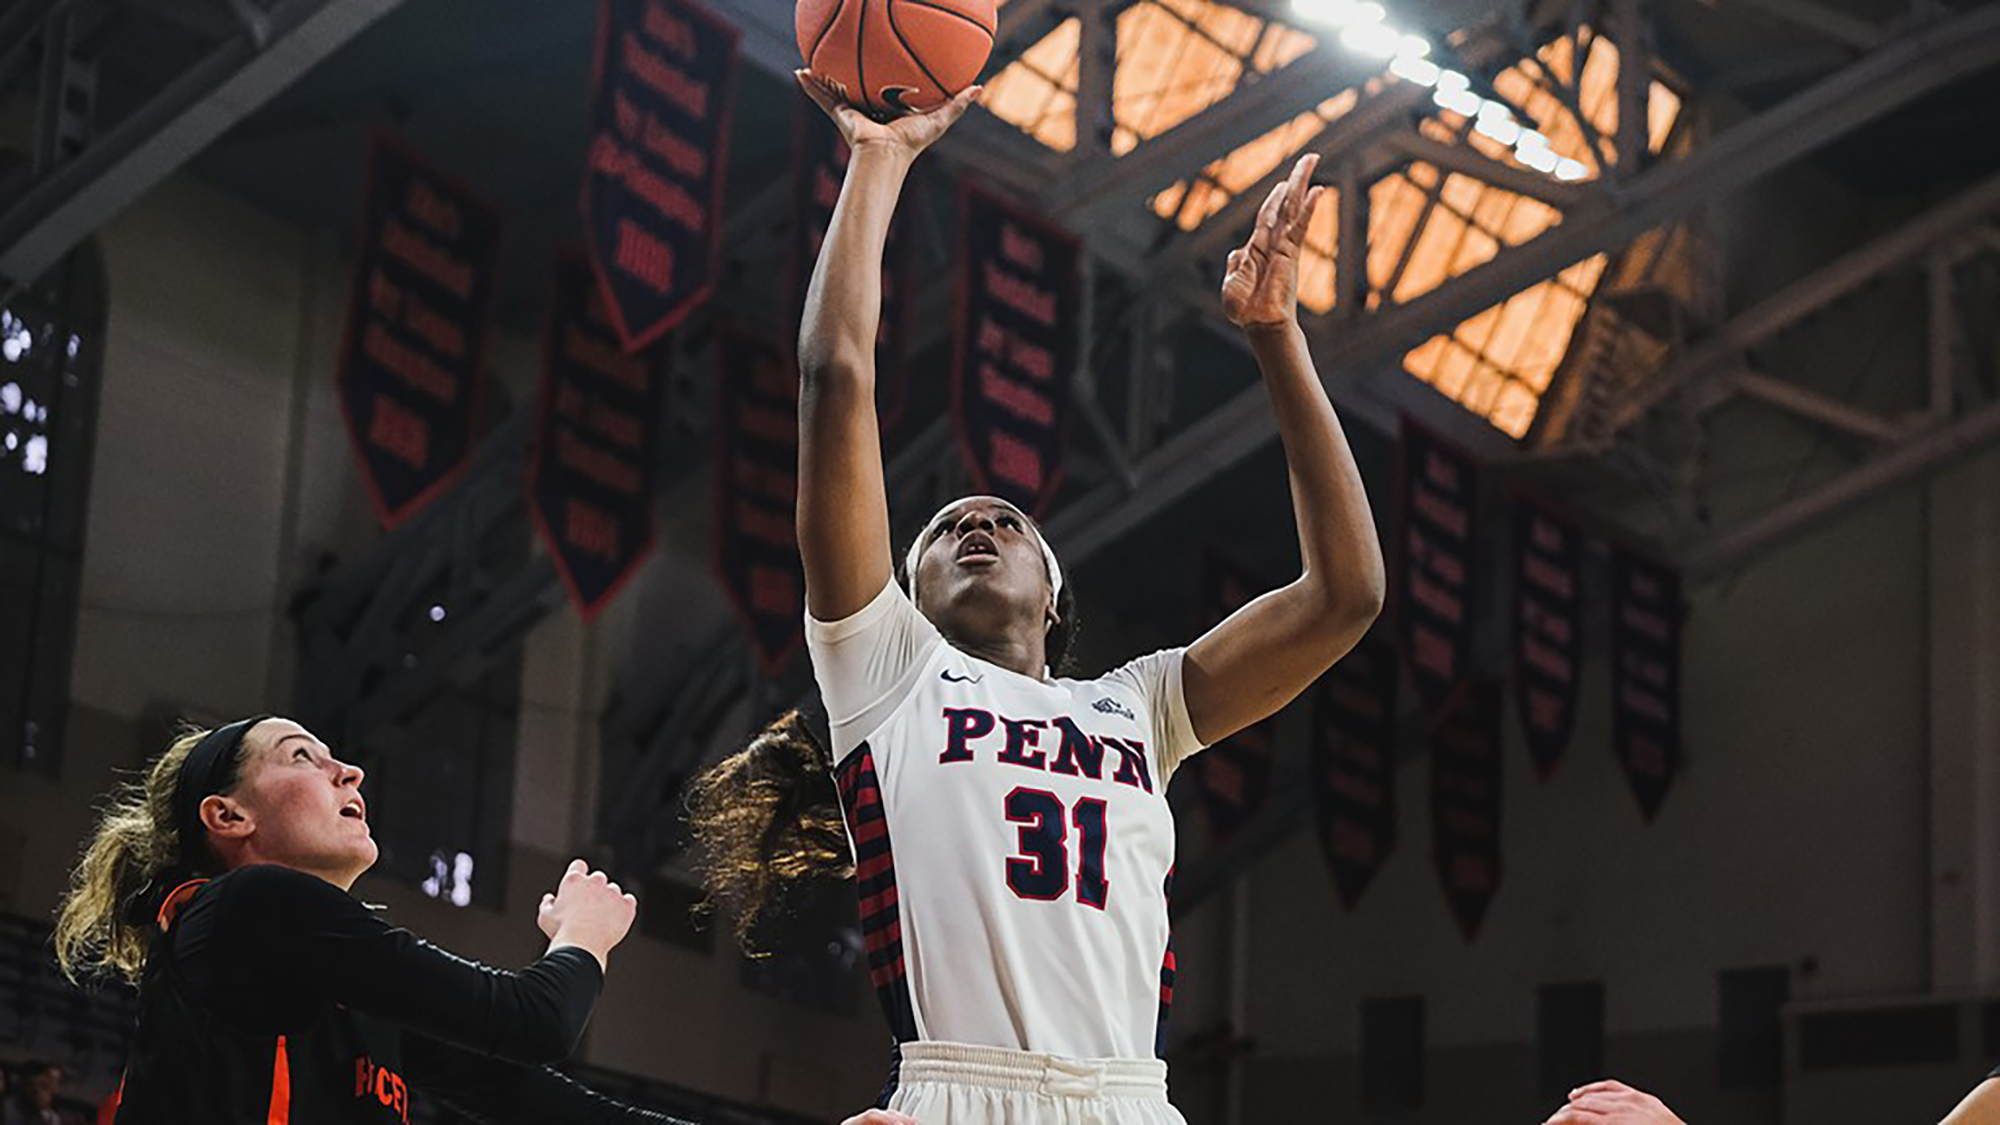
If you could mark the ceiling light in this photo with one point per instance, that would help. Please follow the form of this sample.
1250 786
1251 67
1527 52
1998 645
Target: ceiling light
1423 72
1540 159
1458 101
1373 39
1500 129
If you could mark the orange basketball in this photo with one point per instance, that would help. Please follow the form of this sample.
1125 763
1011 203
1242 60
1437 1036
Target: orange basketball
897 56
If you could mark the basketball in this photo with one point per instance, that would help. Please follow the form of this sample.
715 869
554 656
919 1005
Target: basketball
893 57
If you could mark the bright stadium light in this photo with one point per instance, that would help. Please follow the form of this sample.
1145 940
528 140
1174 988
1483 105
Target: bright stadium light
1500 129
1365 30
1423 72
1458 101
1376 40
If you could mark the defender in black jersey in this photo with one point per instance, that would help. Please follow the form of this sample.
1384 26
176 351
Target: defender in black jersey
270 996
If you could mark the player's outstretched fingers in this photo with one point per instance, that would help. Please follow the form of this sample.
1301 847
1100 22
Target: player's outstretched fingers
1613 1103
881 1117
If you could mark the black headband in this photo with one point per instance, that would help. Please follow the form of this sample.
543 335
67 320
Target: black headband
206 770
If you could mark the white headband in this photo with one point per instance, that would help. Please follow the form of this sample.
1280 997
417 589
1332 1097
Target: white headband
917 548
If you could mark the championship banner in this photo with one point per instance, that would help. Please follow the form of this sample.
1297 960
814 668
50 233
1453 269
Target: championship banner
1548 629
412 370
597 426
1354 765
1439 486
1018 340
659 147
756 548
819 164
1646 675
1465 801
1234 776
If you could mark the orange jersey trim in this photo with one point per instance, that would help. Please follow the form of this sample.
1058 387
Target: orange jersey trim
281 1087
176 899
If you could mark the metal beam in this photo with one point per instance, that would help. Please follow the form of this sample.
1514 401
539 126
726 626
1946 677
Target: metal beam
1806 15
1255 108
1096 69
1871 88
1469 161
1941 295
1019 17
1816 407
1632 25
1350 264
1865 91
19 23
64 206
1935 450
1376 115
1809 294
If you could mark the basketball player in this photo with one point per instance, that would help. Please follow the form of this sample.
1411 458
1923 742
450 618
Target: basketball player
219 885
1010 829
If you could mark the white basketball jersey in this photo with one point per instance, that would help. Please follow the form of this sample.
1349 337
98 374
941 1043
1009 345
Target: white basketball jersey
1012 840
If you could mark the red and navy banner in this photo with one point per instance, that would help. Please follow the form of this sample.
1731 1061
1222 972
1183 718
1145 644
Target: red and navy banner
1234 776
1018 341
1354 764
659 147
1465 801
819 163
755 542
412 359
597 426
1439 487
1548 629
1646 675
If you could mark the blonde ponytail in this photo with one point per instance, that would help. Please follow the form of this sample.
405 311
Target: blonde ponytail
102 927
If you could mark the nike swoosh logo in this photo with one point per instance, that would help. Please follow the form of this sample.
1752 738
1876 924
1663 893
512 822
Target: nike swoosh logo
951 679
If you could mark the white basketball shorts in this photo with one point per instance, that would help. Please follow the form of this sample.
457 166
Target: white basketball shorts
956 1084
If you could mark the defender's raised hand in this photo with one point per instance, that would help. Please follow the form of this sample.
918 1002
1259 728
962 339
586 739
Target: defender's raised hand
587 910
911 134
1262 285
1613 1103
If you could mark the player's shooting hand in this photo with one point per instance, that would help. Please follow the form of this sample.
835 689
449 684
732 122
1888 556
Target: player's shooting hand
907 135
1613 1103
881 1117
1262 285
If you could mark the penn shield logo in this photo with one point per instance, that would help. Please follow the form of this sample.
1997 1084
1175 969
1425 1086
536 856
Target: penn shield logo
1113 707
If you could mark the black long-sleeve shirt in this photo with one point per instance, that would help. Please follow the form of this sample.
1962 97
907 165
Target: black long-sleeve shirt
275 998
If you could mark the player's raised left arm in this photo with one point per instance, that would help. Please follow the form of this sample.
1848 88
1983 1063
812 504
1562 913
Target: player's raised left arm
1263 655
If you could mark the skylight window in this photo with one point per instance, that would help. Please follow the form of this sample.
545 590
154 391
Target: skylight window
1554 112
1175 59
